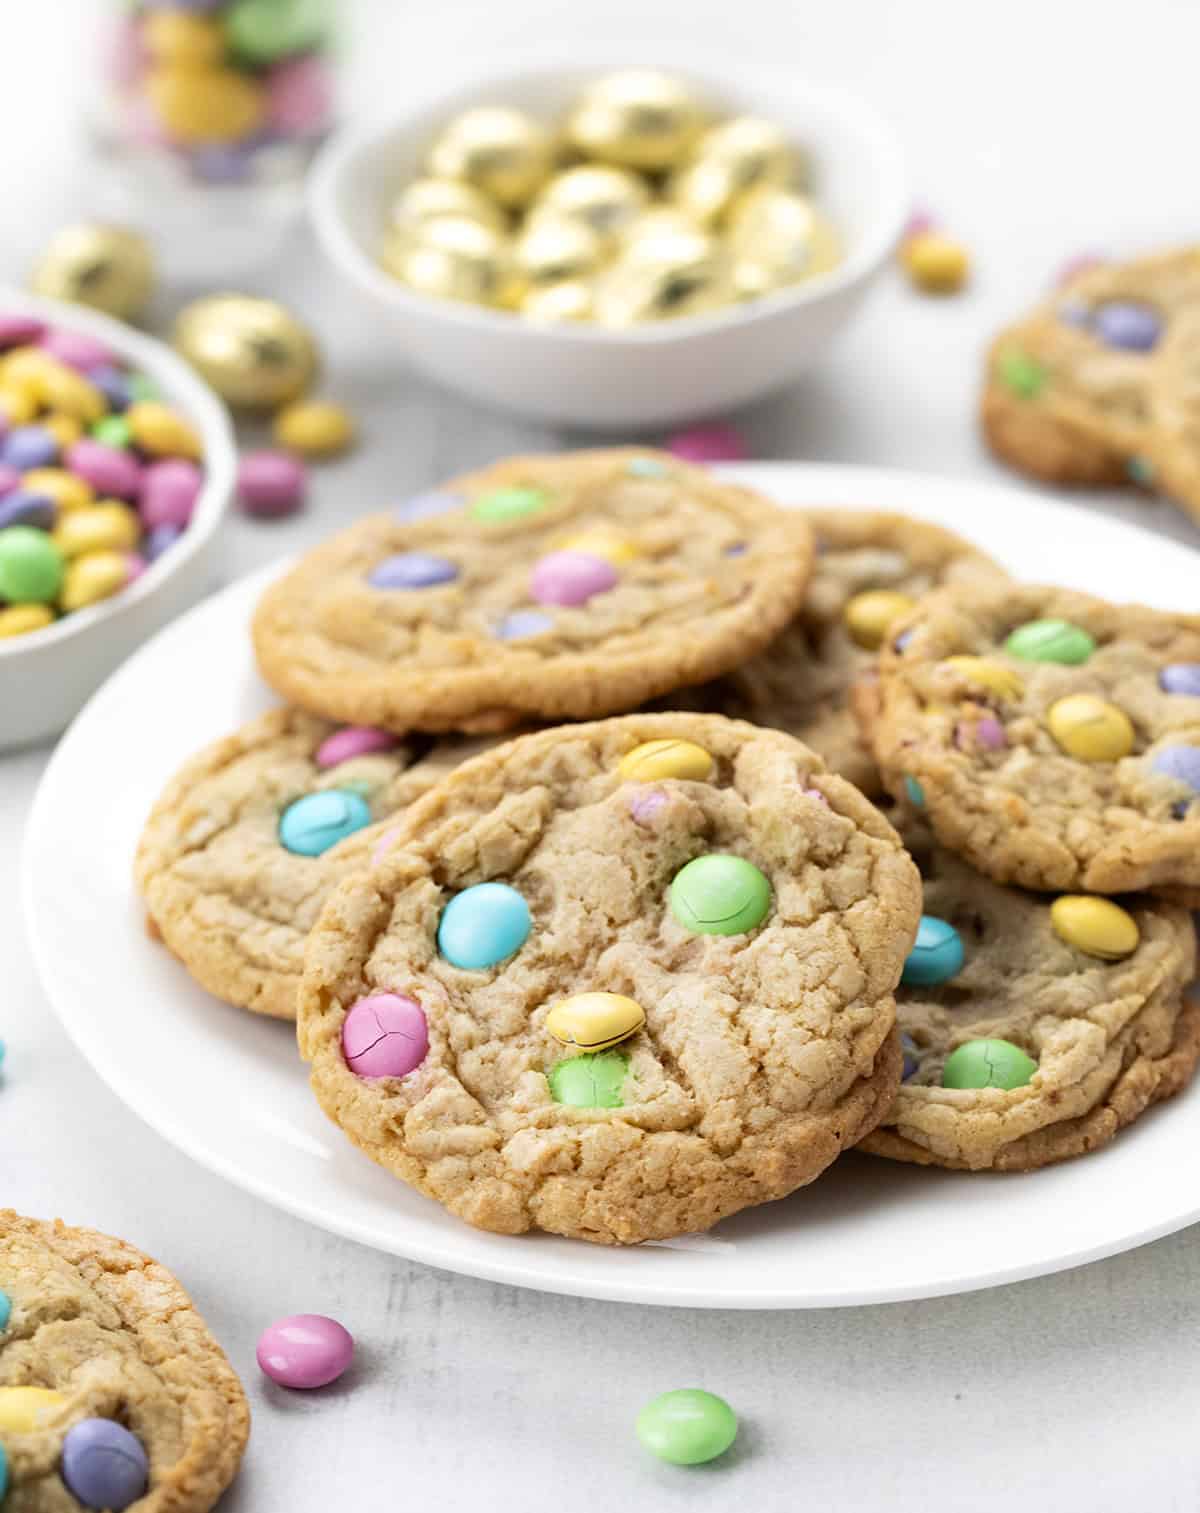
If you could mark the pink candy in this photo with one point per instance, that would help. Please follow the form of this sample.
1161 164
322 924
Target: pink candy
385 1035
135 566
299 98
107 469
10 478
644 806
919 222
713 443
77 349
271 484
170 490
353 741
19 330
571 578
305 1350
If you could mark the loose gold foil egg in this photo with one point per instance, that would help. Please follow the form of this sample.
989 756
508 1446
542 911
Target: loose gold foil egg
606 199
663 275
555 250
778 237
636 118
505 153
730 160
431 199
253 352
554 303
457 259
105 267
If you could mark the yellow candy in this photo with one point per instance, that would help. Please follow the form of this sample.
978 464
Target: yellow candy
176 37
993 676
666 758
868 615
22 1409
159 430
936 263
67 490
93 577
20 619
65 429
595 1021
65 390
1090 729
105 527
26 368
1094 925
314 428
612 547
206 105
18 403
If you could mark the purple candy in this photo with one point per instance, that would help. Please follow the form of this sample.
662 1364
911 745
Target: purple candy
1179 762
815 793
427 506
911 1057
9 479
22 508
644 806
522 623
738 549
412 570
352 741
113 384
305 1350
714 443
222 165
20 330
169 492
159 540
271 484
571 578
1181 677
104 1465
987 732
1122 323
28 447
903 639
385 1035
77 349
109 470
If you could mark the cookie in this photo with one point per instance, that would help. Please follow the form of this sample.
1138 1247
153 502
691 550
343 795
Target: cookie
237 859
616 980
110 1383
556 587
1049 737
869 566
1174 446
1035 1027
1067 392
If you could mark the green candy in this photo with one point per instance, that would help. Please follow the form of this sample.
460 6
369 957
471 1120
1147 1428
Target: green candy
916 794
720 895
1050 641
142 387
31 566
589 1081
1020 373
687 1427
507 504
261 32
113 431
988 1063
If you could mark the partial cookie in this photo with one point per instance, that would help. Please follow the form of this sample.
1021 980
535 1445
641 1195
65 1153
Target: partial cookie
1067 391
253 834
1175 412
616 981
870 569
1050 738
556 587
1035 1028
109 1379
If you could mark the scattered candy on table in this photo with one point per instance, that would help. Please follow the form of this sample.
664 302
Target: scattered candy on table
271 483
935 262
108 268
710 443
641 208
305 1350
687 1427
314 428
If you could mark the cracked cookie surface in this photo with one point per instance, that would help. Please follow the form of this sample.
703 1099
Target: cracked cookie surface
556 587
763 1053
112 1331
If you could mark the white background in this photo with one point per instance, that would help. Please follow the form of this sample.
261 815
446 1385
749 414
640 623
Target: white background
1036 130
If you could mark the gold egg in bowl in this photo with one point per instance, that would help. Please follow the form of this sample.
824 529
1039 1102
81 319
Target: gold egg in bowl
108 268
778 237
503 152
729 160
254 352
636 118
664 275
555 250
555 303
606 199
432 199
455 259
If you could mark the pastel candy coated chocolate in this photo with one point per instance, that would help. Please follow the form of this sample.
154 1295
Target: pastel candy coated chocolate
24 1409
314 428
522 623
711 443
483 925
21 508
502 505
271 484
981 672
914 793
592 1081
170 491
161 539
646 804
869 615
1050 641
908 1047
666 758
413 570
720 895
10 479
1179 762
352 741
595 1021
428 506
305 1350
17 330
28 447
314 823
109 470
299 97
988 1063
113 384
1127 324
3 1473
1095 926
647 467
78 350
5 1307
92 577
937 954
1177 677
385 1035
599 542
1090 728
103 1464
687 1427
31 566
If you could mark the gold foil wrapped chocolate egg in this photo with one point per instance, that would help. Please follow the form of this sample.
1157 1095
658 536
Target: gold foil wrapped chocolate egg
554 250
662 275
730 160
431 199
637 118
557 303
778 237
105 267
660 220
452 258
505 153
606 199
253 352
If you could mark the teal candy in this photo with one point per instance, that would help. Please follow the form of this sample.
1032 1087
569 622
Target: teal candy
916 794
3 1473
5 1309
988 1063
1050 641
720 895
483 925
687 1427
311 825
936 956
646 467
264 31
589 1081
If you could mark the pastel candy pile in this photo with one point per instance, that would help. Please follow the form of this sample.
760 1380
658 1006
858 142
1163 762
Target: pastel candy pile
98 475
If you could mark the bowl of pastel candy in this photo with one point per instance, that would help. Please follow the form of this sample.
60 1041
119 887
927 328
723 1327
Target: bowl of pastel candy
116 468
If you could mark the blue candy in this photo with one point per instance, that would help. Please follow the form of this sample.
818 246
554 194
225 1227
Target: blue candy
916 794
113 384
23 508
1180 762
522 623
312 824
428 506
912 1059
412 570
159 539
1129 325
5 1309
646 467
103 1464
3 1473
29 447
482 925
1176 677
937 955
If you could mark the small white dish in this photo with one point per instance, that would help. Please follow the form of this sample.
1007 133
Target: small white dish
229 1089
45 677
650 375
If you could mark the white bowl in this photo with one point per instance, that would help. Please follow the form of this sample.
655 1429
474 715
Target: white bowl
654 374
45 677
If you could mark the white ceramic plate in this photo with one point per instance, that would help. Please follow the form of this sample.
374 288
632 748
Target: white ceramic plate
236 1097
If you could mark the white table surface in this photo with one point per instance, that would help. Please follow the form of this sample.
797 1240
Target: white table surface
1036 130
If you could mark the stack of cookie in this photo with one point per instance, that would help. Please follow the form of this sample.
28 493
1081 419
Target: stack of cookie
622 978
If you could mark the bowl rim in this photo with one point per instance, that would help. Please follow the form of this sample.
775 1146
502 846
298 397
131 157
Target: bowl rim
853 114
179 383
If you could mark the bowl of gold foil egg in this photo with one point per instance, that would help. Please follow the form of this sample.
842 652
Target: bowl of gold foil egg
90 412
615 248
